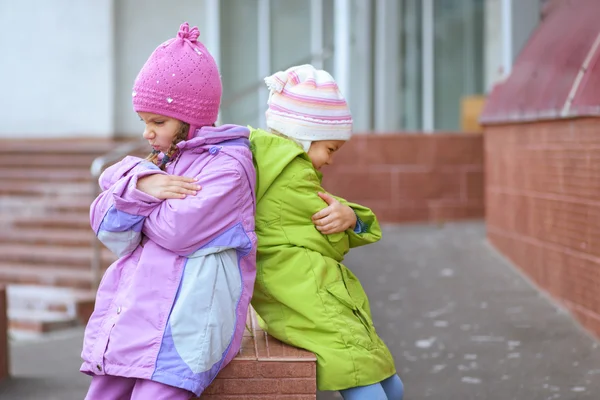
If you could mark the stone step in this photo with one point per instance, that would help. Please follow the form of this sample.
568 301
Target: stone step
62 220
45 174
31 205
47 236
47 298
45 189
51 255
75 205
94 147
46 275
4 353
38 211
42 309
39 321
56 161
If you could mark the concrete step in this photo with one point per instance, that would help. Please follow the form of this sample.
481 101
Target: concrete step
39 321
63 220
47 298
60 237
42 309
75 205
46 275
45 211
45 174
4 352
51 255
14 206
59 146
56 161
45 189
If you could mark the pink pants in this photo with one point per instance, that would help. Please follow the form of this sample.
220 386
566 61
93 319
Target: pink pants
106 387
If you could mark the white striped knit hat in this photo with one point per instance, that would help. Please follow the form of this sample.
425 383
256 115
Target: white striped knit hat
306 104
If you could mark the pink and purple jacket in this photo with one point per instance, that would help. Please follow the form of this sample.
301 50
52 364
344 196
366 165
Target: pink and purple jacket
173 307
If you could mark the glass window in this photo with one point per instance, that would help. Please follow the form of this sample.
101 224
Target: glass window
290 33
239 66
411 65
328 23
458 55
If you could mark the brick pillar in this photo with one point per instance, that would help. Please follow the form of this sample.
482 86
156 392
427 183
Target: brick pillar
265 369
3 335
542 185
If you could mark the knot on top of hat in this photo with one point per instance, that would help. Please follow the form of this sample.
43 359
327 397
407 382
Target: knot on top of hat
276 82
185 33
291 77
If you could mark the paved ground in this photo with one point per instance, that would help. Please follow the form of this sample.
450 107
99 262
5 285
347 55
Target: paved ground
461 322
47 369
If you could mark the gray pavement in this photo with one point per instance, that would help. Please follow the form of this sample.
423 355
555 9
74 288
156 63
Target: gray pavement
464 324
461 322
46 369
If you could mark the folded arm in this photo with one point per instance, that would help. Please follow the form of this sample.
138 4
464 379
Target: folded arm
367 228
116 228
184 225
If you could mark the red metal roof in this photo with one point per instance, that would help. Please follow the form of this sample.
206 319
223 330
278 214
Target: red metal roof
557 74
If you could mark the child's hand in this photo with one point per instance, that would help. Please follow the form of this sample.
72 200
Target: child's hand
334 218
168 186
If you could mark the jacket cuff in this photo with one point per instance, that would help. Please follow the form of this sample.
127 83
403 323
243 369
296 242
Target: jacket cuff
133 200
360 227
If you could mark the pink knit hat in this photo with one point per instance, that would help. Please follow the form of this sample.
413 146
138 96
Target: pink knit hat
180 80
306 104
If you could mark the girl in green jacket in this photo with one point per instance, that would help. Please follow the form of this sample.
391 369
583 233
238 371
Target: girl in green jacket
303 294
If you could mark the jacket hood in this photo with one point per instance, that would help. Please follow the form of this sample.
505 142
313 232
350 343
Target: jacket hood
271 154
209 135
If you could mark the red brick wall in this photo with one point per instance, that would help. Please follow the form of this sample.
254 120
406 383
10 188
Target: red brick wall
411 177
266 380
543 207
3 335
265 369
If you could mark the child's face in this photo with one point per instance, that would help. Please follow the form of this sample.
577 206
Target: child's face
321 152
160 130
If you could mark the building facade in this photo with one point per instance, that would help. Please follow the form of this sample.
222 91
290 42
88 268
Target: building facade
404 65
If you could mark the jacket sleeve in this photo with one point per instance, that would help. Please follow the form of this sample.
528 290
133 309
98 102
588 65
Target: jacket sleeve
367 227
117 214
302 201
184 225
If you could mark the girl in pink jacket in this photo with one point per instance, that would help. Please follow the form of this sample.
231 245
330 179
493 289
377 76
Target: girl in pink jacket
171 312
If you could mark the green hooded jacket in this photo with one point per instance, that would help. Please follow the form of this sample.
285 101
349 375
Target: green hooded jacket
303 293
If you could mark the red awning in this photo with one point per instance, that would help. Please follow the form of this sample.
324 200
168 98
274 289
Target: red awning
557 74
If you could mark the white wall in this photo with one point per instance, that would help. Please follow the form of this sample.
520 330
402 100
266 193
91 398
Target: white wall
239 63
56 68
142 25
493 43
525 17
360 98
387 102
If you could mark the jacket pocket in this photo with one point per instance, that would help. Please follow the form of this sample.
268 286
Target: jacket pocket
349 315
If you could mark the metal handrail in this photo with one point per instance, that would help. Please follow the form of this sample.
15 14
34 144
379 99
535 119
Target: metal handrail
100 163
228 102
